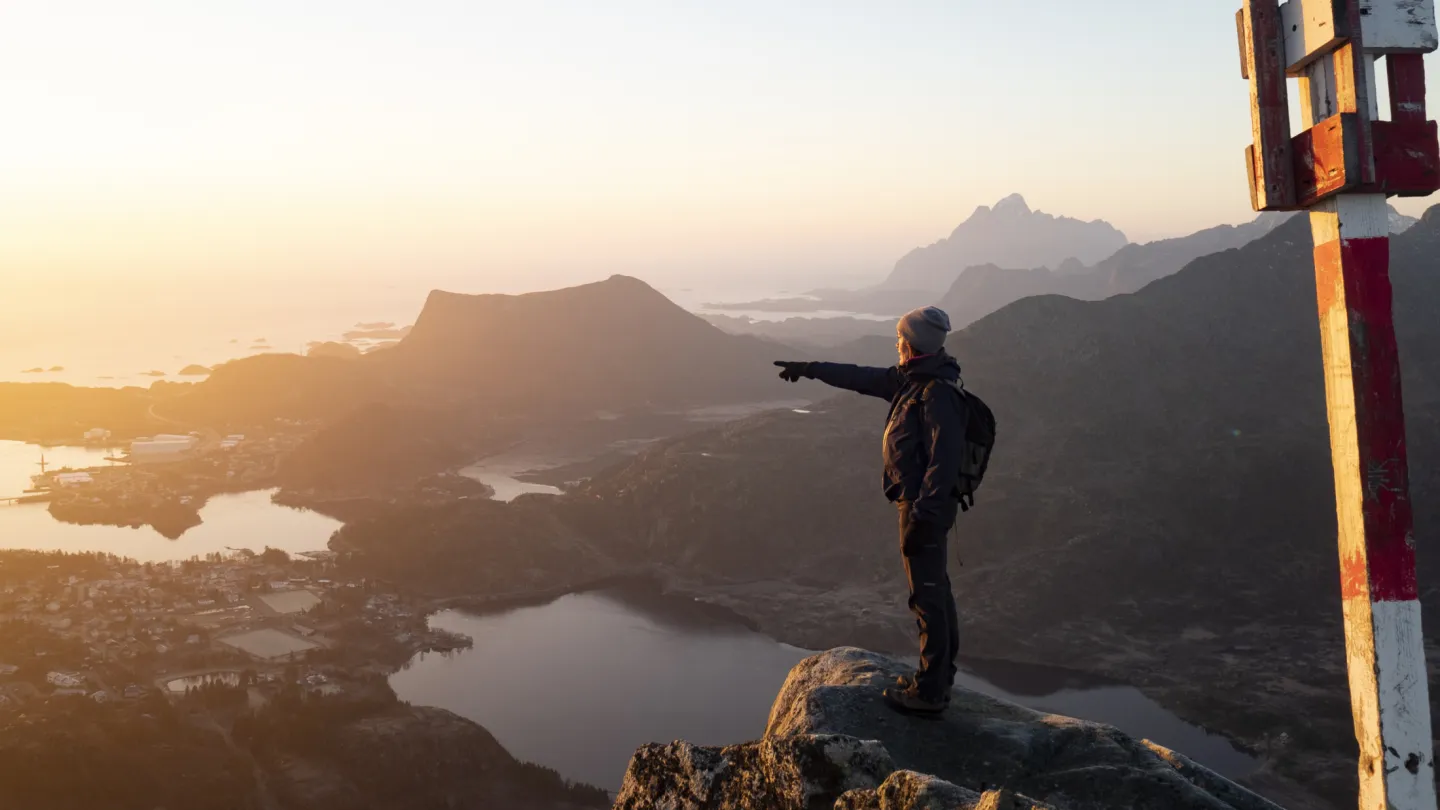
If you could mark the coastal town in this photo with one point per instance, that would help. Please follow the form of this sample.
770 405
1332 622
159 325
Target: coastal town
162 480
105 629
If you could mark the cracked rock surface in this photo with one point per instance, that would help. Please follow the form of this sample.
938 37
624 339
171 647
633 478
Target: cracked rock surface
832 743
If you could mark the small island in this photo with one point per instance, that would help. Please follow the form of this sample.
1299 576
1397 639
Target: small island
330 348
194 370
153 373
385 333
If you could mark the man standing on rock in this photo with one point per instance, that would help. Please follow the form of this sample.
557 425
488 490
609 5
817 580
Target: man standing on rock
923 447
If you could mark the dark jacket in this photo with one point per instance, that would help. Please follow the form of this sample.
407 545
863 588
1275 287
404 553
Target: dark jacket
925 434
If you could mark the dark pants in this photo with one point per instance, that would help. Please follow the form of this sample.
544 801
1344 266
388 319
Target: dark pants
932 602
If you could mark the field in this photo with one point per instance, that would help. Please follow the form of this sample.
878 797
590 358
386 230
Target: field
268 644
290 601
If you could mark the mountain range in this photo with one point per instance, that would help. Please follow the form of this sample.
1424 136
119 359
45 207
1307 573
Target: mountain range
1008 234
1160 508
982 288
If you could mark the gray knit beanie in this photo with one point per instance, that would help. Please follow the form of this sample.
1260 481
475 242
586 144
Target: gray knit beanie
924 329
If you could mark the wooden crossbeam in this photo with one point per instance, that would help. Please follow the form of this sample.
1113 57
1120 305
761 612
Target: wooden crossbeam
1407 147
1312 29
1272 182
1316 28
1327 160
1407 158
1397 26
1407 87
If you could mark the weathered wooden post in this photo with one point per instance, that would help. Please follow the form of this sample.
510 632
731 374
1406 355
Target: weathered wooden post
1341 168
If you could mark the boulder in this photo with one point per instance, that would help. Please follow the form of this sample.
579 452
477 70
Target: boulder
799 772
982 743
907 790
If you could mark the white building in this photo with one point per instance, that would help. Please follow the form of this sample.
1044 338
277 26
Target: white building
97 435
73 479
65 680
166 444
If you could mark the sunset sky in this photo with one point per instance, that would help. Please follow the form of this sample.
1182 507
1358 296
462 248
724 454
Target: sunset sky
519 144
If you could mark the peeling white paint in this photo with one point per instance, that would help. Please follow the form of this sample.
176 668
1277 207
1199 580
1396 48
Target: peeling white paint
1350 216
1398 26
1311 31
1408 762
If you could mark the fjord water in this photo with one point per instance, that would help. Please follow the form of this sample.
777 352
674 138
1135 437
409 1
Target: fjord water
579 683
241 520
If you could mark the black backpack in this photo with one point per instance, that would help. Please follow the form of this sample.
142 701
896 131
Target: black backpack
979 441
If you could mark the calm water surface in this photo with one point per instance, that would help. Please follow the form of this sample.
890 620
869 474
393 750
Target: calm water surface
499 473
578 684
19 461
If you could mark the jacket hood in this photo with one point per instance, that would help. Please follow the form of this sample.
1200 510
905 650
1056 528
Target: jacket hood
938 365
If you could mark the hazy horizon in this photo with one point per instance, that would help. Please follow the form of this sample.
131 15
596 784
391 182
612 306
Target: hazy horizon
530 146
175 173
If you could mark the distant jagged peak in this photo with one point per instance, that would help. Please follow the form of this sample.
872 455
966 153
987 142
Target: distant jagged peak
1013 204
1399 223
1011 234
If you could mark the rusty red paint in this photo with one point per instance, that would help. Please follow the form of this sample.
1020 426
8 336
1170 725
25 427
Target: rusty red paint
1263 51
1353 276
1407 158
1326 159
1354 577
1407 87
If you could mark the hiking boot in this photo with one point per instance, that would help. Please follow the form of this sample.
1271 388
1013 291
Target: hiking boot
910 701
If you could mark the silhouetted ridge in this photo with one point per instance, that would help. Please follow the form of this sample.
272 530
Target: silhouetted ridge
981 290
612 343
1009 235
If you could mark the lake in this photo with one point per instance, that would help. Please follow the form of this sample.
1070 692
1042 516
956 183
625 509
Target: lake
578 684
243 520
499 472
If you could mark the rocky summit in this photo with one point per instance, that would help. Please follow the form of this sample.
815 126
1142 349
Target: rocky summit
832 743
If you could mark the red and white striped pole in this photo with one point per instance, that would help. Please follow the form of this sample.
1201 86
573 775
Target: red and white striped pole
1389 694
1340 170
1384 645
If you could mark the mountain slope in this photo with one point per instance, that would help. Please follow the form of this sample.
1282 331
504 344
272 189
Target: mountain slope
1009 235
612 344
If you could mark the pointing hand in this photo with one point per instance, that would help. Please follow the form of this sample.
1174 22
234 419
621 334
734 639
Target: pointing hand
792 372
